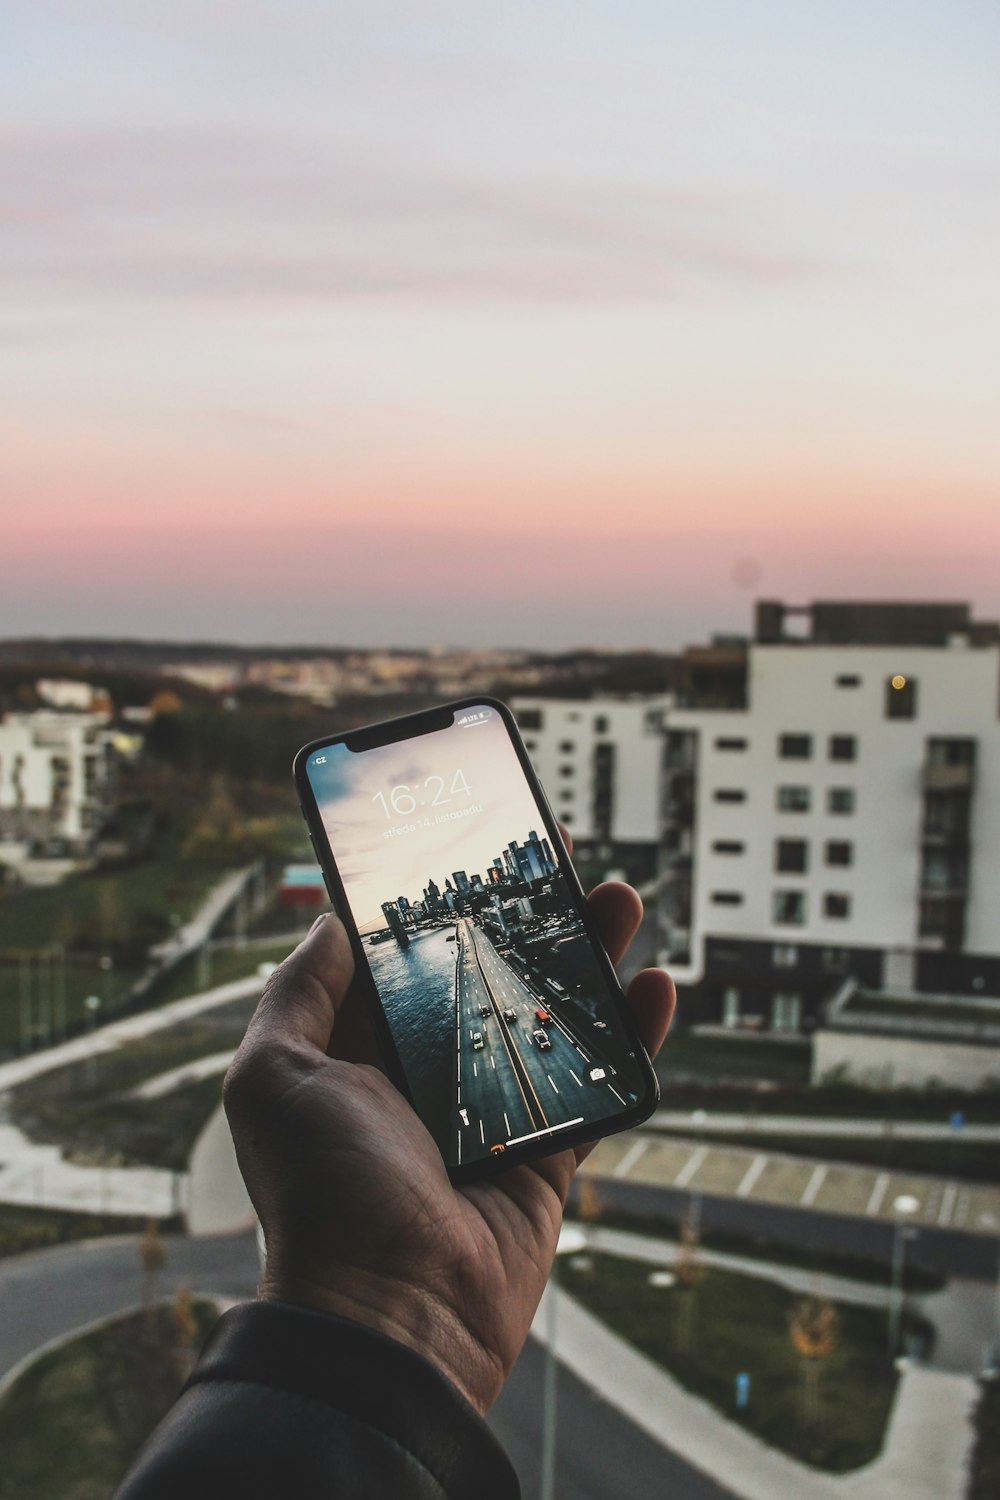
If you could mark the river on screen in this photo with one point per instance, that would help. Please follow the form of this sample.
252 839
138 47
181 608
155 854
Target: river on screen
417 987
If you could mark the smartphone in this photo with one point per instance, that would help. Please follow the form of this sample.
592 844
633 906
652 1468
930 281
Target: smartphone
498 1010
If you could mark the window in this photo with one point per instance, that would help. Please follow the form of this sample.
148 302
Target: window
839 852
795 746
786 1011
843 747
788 908
942 752
601 724
567 770
840 799
728 846
730 743
730 1006
567 794
729 794
848 679
900 697
567 746
530 745
793 799
530 718
791 855
567 817
784 955
727 898
836 904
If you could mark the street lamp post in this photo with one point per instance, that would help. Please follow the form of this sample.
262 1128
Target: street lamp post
571 1241
902 1208
92 1005
699 1119
107 964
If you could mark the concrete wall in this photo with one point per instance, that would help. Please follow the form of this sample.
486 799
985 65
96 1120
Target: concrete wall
893 1062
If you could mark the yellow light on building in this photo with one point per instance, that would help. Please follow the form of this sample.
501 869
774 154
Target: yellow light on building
899 681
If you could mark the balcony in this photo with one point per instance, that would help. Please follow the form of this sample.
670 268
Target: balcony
941 778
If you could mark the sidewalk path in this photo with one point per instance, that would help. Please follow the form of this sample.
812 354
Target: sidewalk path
196 931
928 1440
218 1202
128 1029
676 1121
176 1078
657 1252
36 1175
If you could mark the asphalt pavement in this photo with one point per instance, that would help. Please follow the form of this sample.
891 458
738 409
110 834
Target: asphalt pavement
47 1293
601 1455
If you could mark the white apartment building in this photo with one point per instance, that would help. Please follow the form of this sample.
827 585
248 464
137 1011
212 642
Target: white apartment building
57 780
845 820
601 762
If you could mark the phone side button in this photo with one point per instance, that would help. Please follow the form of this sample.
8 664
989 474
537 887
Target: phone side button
326 881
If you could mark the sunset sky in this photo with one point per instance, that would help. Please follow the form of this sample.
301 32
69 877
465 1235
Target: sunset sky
415 322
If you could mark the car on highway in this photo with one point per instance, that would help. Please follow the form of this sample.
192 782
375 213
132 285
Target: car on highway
541 1039
484 1010
510 1014
600 1025
543 1018
477 1041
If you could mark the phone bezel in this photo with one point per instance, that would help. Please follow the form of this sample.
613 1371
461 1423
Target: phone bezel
407 726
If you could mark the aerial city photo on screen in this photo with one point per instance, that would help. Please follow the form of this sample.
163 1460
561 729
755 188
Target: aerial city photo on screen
502 1017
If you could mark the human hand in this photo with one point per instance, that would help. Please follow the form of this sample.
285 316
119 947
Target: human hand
359 1215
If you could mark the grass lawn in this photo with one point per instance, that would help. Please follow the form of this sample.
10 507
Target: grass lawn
83 976
739 1324
84 1107
74 1421
23 1229
99 908
223 965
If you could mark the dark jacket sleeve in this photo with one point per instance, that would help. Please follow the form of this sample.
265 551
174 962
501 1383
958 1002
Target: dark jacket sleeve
289 1404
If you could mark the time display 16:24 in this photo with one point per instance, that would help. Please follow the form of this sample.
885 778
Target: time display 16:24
407 797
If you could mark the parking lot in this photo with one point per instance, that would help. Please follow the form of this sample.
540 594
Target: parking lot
796 1181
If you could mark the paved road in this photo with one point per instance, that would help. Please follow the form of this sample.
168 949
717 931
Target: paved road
764 1174
601 1455
49 1292
833 1235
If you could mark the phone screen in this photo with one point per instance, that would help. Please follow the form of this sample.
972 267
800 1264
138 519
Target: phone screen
505 1023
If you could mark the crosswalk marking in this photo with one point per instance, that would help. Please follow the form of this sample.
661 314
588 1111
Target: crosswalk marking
813 1186
750 1176
947 1204
628 1161
691 1166
878 1193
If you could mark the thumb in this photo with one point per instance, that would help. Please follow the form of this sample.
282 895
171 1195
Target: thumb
303 996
